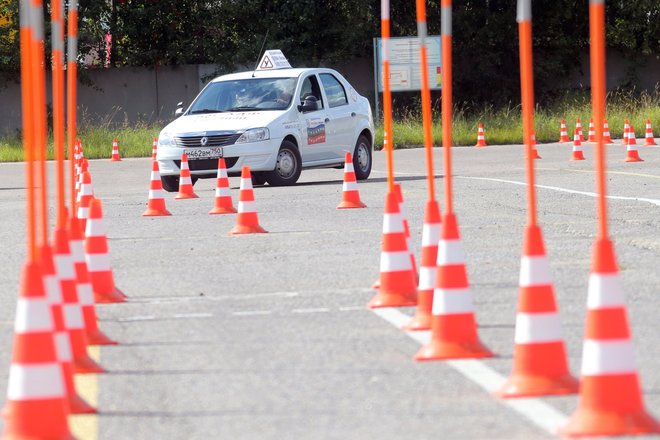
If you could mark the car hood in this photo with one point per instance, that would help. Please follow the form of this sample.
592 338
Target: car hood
230 121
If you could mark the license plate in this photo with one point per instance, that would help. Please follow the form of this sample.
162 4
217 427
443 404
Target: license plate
204 153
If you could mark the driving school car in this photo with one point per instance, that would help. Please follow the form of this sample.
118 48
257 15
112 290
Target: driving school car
276 119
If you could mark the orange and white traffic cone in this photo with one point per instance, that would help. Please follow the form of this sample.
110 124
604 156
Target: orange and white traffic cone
578 127
154 149
85 291
61 335
540 365
397 278
98 258
427 271
610 400
406 227
626 131
563 133
453 326
577 147
247 220
156 202
115 151
607 138
481 138
350 194
223 202
592 131
535 152
85 195
36 405
632 155
186 190
649 139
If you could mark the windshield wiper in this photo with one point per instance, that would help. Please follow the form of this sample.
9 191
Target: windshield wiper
243 109
207 110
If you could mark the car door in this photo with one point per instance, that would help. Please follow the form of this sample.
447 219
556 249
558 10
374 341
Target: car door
314 135
341 117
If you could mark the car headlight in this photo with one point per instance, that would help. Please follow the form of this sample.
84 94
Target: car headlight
254 135
165 140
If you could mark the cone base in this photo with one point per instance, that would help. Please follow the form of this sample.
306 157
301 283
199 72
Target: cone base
349 205
86 365
223 210
97 337
481 145
115 296
114 159
437 350
535 154
649 144
421 321
580 157
633 159
150 212
376 284
524 385
78 406
384 299
241 229
588 423
180 196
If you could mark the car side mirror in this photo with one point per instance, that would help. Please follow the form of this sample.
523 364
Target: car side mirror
309 104
179 110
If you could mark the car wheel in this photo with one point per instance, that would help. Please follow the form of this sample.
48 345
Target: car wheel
362 158
258 179
170 183
288 166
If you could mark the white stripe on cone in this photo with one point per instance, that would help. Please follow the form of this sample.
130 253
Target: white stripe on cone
537 328
452 301
534 271
95 228
395 261
33 315
35 382
393 224
246 206
63 346
349 186
98 262
430 234
450 252
156 194
426 278
246 183
73 317
85 294
222 191
64 267
605 291
608 357
53 290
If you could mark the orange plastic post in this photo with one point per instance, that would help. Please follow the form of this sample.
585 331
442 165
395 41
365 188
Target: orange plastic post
388 140
57 40
71 91
446 36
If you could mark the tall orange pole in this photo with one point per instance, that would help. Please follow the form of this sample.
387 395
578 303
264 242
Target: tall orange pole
388 139
524 18
427 121
27 103
57 40
71 91
598 91
446 32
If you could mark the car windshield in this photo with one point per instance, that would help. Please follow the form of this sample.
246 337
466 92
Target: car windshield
245 95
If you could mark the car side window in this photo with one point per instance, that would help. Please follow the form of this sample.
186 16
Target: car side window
334 90
310 86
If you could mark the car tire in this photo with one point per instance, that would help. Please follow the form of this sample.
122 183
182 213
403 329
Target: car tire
170 183
258 179
288 166
362 158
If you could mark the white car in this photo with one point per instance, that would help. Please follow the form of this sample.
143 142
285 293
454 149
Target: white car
277 121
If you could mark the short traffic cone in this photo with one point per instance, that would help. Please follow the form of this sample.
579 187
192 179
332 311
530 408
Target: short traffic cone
223 202
481 139
592 131
85 195
350 194
85 291
97 258
578 127
247 221
632 155
626 131
427 271
406 227
535 152
563 134
540 366
185 182
577 147
649 139
154 149
453 326
610 400
115 151
36 405
397 278
607 138
156 202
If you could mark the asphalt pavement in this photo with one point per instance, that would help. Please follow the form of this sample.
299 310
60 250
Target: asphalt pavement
266 336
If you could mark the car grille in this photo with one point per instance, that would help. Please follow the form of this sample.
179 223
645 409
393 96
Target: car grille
216 140
207 164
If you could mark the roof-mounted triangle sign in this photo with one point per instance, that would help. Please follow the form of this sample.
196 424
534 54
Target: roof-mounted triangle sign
273 59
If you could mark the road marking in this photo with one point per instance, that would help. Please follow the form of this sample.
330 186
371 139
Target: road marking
318 310
623 173
137 318
351 308
570 191
253 313
192 315
86 426
535 410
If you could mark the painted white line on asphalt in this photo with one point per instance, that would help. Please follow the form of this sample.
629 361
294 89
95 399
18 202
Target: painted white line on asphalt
351 308
192 315
319 310
535 410
137 318
252 313
179 299
570 191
